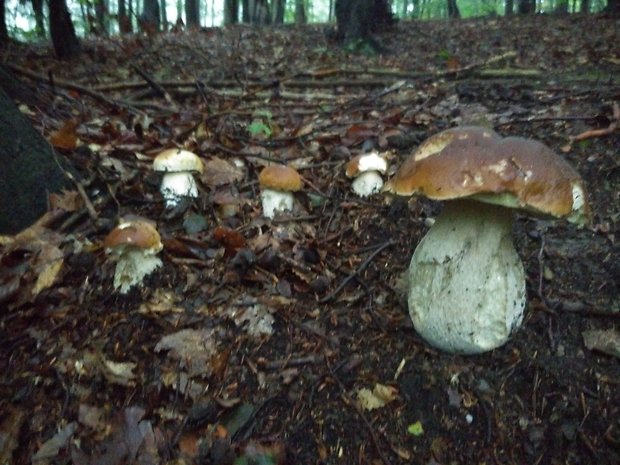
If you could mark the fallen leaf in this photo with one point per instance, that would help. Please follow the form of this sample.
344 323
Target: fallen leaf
603 340
65 138
377 398
50 448
9 433
193 348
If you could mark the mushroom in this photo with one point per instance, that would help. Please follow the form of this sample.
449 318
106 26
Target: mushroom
366 169
278 182
134 244
178 166
466 281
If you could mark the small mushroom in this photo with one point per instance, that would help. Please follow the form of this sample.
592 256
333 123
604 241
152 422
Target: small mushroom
277 183
366 169
466 280
134 245
178 181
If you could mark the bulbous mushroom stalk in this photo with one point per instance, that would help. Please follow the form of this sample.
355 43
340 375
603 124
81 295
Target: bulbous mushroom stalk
466 281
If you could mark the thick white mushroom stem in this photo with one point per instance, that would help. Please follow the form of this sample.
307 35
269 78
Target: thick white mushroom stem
466 280
276 201
175 186
133 266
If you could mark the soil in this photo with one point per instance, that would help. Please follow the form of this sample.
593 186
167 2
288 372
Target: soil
257 338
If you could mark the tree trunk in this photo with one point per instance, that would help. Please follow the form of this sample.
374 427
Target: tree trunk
453 9
149 19
101 13
358 19
613 7
192 13
231 12
124 20
300 12
4 34
527 7
39 18
277 11
585 7
509 7
164 15
29 168
258 12
66 44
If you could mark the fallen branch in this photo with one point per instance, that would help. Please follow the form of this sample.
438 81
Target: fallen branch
615 123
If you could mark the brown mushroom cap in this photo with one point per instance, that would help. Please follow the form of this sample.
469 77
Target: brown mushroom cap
477 163
280 178
140 234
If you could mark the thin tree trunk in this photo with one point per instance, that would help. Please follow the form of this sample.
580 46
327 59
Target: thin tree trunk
300 12
231 11
192 13
4 34
66 44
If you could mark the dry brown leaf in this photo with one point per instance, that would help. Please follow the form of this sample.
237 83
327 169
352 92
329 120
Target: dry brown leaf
65 138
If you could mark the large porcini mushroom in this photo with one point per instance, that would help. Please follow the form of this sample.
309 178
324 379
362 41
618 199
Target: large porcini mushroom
135 245
466 280
178 166
277 183
366 169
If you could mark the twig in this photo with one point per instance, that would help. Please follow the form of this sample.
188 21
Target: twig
155 86
615 123
353 275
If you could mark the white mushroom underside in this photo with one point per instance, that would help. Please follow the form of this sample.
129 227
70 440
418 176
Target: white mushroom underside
275 201
466 280
367 183
175 186
132 267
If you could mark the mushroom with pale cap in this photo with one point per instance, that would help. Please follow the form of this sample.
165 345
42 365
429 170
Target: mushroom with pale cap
135 245
178 166
466 281
278 182
366 169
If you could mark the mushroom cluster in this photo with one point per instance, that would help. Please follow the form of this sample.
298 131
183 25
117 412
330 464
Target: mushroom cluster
466 284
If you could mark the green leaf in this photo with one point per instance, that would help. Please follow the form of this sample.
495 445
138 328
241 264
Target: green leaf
415 429
257 127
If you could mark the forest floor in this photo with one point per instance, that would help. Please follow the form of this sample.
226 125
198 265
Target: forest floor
264 341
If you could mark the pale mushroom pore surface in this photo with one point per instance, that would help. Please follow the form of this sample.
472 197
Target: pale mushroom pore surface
274 201
133 265
367 183
466 280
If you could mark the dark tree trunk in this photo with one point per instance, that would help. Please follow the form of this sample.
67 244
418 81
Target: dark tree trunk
231 11
561 7
4 34
66 44
585 6
527 7
358 19
613 7
277 11
124 20
39 18
300 12
509 7
453 9
29 168
192 13
245 11
164 15
149 19
258 11
101 14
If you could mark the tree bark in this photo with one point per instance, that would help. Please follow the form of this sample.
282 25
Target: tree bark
300 12
29 172
358 19
149 20
231 12
124 20
39 18
453 9
277 11
527 7
192 13
66 44
4 34
509 7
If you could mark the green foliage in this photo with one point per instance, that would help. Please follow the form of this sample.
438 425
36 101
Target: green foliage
261 124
